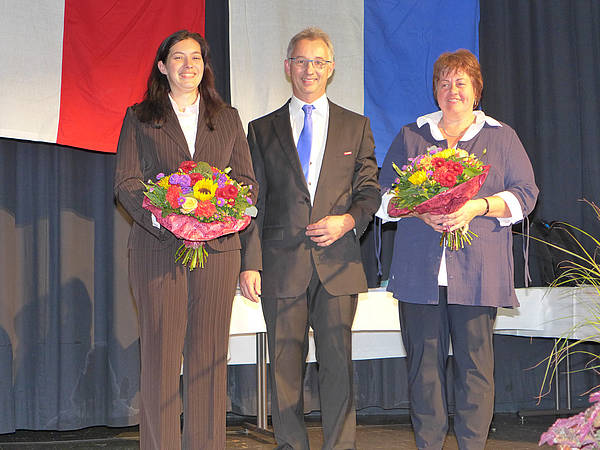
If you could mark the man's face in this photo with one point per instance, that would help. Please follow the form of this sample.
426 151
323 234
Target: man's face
308 82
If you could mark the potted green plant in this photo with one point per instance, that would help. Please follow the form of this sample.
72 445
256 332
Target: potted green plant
581 431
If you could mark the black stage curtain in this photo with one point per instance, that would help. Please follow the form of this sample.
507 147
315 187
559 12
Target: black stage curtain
217 34
540 62
69 353
68 334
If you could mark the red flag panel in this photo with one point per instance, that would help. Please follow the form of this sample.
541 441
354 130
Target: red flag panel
108 50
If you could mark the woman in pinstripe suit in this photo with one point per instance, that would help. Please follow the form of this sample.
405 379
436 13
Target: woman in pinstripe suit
181 117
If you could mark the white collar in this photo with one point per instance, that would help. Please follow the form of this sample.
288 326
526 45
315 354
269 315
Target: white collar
321 104
190 109
433 119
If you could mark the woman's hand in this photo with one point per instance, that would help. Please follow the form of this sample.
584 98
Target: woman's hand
434 221
463 216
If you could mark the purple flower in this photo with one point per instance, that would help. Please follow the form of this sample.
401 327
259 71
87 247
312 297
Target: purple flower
249 200
184 180
576 431
222 180
181 200
186 189
160 175
404 168
429 173
418 159
221 202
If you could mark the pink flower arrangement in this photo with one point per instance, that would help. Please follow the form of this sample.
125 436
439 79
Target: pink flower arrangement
579 431
198 203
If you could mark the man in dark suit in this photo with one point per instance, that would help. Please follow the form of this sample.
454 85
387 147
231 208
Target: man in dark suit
318 191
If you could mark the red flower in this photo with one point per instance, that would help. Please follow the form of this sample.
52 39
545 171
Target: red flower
444 177
227 191
186 166
454 167
195 177
436 163
173 194
205 209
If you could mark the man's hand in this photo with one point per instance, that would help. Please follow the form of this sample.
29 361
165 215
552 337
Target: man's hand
329 229
250 285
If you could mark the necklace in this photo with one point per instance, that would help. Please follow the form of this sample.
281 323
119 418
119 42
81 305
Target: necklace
459 135
452 135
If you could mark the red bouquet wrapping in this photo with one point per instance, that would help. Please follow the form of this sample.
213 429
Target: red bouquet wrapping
189 229
439 181
198 203
445 202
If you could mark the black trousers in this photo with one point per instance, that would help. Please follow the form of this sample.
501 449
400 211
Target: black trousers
288 321
426 333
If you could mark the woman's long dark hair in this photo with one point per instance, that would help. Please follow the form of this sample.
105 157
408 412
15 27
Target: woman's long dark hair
156 104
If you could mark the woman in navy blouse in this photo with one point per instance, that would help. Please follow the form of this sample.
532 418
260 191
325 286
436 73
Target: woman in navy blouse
453 295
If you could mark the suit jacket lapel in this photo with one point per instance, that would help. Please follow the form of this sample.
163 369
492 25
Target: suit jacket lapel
332 146
283 130
173 130
202 133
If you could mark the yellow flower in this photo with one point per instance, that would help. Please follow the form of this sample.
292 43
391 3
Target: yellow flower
425 162
204 189
447 153
189 205
418 177
164 182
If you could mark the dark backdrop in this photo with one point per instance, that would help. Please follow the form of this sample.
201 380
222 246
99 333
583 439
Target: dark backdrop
68 337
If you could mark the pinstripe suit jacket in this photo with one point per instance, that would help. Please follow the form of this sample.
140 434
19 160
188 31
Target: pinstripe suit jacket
144 151
347 184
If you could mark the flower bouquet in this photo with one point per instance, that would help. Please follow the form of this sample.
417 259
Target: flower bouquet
577 432
198 203
438 182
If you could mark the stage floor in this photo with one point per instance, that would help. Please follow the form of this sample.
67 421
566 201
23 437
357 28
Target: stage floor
373 433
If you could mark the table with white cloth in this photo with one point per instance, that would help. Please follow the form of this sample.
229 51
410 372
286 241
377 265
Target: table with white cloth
544 312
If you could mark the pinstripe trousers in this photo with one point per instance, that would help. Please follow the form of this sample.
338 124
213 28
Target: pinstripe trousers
182 312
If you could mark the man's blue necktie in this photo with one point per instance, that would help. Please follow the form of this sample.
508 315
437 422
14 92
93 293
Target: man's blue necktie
305 139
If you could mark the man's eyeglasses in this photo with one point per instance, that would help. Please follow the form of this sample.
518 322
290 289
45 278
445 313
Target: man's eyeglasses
318 64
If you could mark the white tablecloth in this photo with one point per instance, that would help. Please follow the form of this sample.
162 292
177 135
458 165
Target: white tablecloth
544 312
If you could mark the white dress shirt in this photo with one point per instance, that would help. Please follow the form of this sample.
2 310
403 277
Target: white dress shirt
320 120
188 121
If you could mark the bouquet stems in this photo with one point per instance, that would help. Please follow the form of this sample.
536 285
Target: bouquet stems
192 254
457 239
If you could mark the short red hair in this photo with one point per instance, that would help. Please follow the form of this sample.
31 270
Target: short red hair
460 60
